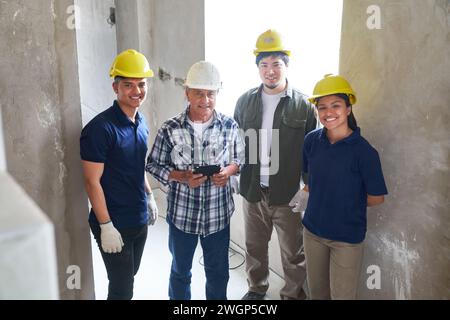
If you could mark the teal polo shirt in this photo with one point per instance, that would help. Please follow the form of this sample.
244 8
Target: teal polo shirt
340 176
121 145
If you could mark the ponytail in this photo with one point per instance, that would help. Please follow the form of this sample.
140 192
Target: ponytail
351 117
352 120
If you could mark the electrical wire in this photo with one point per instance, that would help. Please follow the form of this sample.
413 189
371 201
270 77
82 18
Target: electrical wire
231 253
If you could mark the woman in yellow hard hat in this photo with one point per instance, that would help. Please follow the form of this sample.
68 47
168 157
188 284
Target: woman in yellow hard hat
344 178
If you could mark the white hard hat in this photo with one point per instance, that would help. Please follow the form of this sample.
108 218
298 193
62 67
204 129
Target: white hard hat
203 75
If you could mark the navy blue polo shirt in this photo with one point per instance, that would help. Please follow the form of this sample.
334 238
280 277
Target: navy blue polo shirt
113 139
340 176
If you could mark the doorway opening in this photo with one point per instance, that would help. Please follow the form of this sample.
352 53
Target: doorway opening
310 29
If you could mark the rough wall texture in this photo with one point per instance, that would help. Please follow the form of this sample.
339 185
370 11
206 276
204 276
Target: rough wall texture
96 50
178 33
401 74
2 145
133 25
41 120
27 243
171 35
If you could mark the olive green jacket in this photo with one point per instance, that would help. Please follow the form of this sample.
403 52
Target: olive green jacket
294 117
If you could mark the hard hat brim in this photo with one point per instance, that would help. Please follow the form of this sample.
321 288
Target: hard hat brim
120 73
203 87
351 97
257 51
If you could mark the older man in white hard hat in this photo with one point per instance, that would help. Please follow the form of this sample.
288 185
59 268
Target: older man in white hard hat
195 154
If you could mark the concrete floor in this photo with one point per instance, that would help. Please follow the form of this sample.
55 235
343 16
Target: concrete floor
151 282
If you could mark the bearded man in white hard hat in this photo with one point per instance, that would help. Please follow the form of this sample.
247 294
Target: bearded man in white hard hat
195 154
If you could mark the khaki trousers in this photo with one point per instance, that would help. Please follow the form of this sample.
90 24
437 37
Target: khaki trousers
259 222
333 267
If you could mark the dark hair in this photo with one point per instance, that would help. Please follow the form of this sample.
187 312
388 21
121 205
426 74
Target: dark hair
117 79
351 117
279 54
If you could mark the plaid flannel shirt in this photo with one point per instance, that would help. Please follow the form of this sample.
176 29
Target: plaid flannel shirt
208 208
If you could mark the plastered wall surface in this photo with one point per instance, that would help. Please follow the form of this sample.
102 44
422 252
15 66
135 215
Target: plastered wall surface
401 75
41 112
28 261
96 50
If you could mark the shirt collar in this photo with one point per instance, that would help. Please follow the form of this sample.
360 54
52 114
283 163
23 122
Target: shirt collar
287 92
184 117
351 139
122 117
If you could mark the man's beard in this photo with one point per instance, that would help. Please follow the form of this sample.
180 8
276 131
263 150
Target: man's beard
271 86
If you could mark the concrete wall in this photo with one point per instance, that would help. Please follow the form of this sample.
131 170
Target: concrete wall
42 120
171 35
28 259
2 145
401 76
96 50
178 34
178 37
127 25
134 25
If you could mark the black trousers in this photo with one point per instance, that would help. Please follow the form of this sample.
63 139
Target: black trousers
122 267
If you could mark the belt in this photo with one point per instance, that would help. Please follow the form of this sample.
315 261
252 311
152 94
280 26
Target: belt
264 189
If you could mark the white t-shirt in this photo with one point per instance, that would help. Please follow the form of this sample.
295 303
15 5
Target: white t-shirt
200 127
270 103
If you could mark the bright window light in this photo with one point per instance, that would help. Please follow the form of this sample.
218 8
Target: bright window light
310 29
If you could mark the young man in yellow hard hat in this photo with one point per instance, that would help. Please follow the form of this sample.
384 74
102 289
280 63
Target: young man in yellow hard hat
200 202
280 116
113 146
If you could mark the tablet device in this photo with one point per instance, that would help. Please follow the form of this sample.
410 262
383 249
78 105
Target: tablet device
206 170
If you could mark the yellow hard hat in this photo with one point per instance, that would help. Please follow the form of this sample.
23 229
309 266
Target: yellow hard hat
332 84
130 64
270 41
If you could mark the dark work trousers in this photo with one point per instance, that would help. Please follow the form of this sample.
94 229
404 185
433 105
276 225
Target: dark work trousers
215 256
122 267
